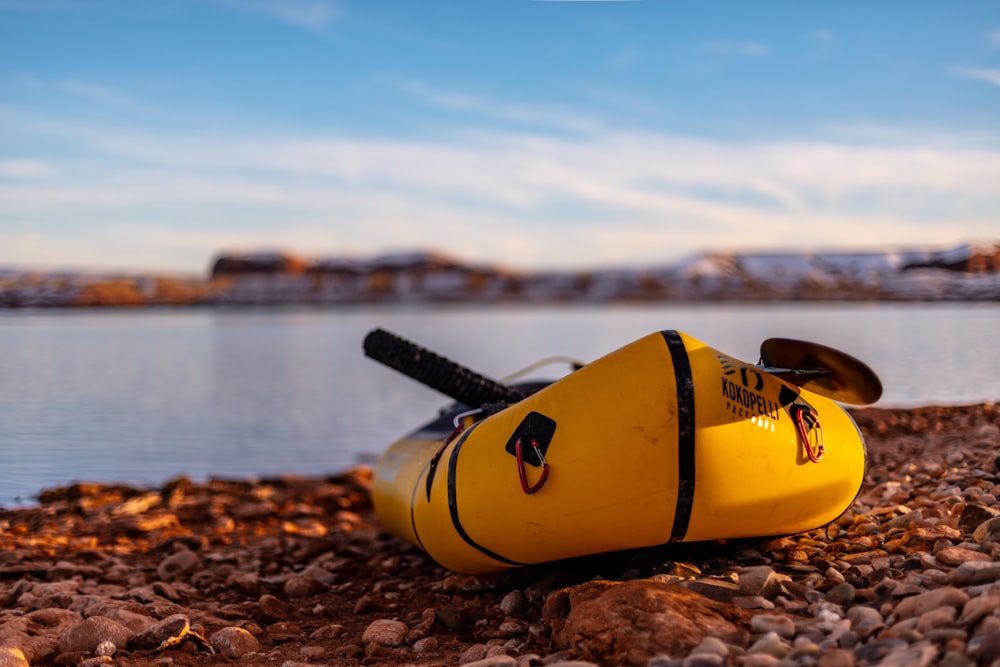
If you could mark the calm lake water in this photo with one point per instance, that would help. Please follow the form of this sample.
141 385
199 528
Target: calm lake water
141 396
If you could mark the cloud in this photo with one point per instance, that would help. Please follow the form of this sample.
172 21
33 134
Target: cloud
824 36
743 48
312 15
518 198
993 38
988 75
539 116
98 93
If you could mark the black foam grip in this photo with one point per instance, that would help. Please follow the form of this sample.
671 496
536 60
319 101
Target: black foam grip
444 375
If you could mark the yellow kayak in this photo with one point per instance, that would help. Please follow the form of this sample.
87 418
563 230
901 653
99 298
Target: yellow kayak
663 440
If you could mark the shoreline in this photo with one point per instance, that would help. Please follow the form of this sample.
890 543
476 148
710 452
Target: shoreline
296 570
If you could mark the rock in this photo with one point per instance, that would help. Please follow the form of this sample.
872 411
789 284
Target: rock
514 604
713 589
501 660
234 642
299 586
987 531
974 572
178 565
452 618
988 641
759 580
12 657
921 654
770 644
978 608
629 623
841 594
780 625
165 634
385 632
973 515
865 620
274 608
836 658
91 632
958 555
918 604
105 648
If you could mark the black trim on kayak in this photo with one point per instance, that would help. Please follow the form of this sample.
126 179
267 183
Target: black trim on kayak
413 505
685 434
453 501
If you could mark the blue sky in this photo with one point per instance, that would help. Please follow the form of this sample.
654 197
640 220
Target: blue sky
151 135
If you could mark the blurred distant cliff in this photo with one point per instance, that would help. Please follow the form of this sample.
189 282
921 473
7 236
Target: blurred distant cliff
970 272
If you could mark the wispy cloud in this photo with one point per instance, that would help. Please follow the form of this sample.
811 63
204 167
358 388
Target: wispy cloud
980 74
823 36
993 38
738 48
515 197
312 15
530 115
98 93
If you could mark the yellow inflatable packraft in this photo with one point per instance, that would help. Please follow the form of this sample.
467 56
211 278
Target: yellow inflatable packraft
663 440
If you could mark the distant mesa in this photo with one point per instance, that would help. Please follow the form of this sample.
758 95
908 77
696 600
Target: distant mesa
969 272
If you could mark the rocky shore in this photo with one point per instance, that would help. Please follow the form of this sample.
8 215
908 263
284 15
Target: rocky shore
293 571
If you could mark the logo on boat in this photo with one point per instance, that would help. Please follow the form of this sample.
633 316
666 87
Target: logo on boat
741 387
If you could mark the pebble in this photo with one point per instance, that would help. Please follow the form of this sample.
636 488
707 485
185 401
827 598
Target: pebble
178 565
908 577
385 632
234 642
919 604
12 657
90 633
780 625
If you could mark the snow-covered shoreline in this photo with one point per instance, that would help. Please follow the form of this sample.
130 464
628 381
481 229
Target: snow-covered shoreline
970 272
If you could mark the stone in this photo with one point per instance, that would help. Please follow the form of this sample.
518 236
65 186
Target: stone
712 645
771 644
987 531
501 660
918 604
836 658
713 589
702 660
979 607
973 572
973 515
988 641
921 654
841 594
178 565
628 623
759 580
782 626
936 618
959 555
514 604
12 657
164 634
385 632
91 632
865 620
234 642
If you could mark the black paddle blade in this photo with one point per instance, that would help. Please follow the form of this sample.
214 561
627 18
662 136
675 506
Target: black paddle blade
451 379
822 370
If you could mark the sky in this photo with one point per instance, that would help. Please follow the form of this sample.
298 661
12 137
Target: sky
152 135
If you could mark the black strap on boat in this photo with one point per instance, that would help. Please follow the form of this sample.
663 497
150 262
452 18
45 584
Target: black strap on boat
437 372
685 434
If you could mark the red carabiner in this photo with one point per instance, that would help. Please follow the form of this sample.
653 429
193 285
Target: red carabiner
521 472
806 420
